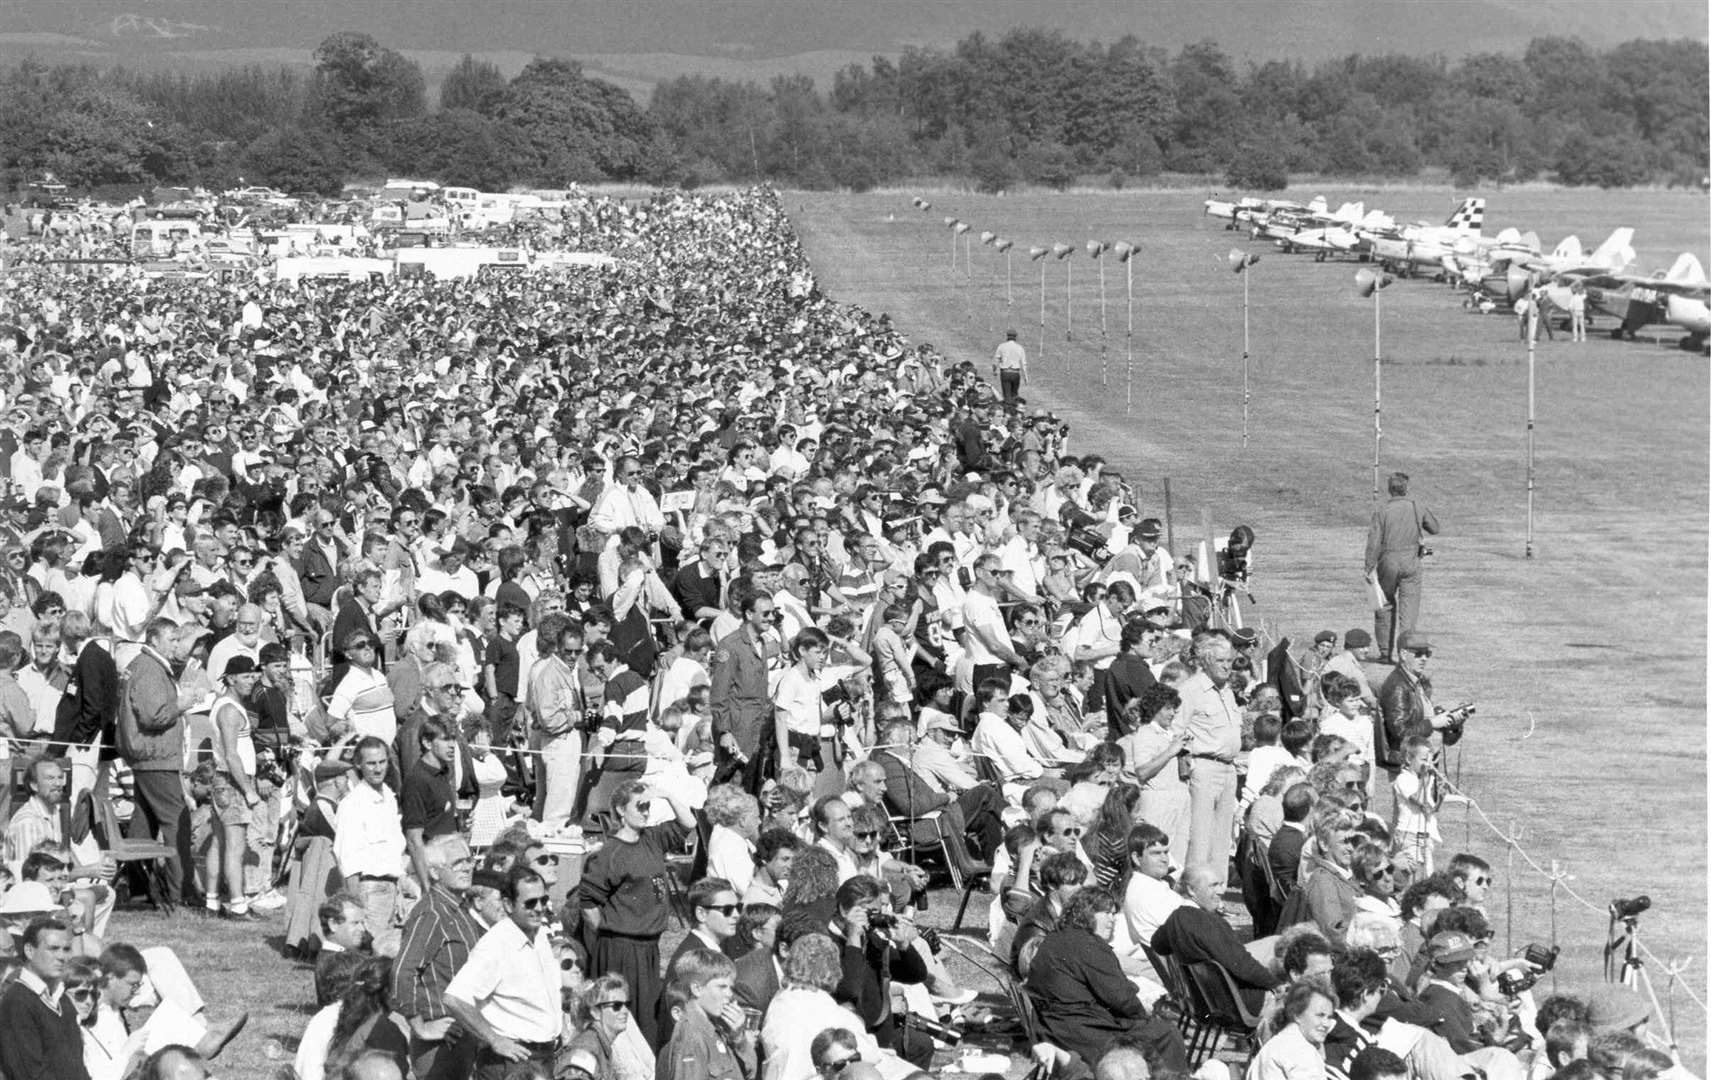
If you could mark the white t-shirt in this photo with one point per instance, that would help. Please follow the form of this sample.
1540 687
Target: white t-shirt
985 623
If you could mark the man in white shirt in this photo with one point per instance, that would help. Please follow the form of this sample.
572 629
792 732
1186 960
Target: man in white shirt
1150 898
625 502
834 830
998 737
368 844
507 993
27 462
1212 722
452 574
989 643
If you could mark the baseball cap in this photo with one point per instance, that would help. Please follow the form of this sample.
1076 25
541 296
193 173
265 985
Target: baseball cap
1451 947
938 721
188 586
1246 637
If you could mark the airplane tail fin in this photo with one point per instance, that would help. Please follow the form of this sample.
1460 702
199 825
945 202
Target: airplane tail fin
1686 270
1349 212
1569 250
1616 252
1469 216
1318 205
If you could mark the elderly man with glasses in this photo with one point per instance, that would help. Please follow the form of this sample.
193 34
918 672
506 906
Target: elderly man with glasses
437 939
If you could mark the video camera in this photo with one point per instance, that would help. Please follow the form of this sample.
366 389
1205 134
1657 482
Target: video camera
1514 981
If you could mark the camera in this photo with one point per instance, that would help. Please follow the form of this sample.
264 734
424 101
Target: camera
880 919
1541 957
1461 713
946 1034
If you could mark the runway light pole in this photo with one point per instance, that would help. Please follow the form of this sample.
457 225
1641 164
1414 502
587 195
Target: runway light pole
1038 254
1125 253
1370 284
1097 248
1532 344
1005 245
1063 252
962 228
951 223
1239 261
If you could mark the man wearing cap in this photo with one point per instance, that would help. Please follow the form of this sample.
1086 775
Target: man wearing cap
1145 564
1445 994
452 574
935 756
234 792
1356 646
1394 544
1405 703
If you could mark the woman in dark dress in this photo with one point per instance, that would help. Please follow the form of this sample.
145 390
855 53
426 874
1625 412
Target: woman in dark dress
625 900
1083 999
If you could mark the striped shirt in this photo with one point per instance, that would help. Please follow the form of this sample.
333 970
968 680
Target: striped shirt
438 935
625 722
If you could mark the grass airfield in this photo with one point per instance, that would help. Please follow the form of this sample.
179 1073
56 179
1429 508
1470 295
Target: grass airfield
1587 661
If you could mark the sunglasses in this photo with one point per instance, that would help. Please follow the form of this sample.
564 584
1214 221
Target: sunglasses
82 993
841 1064
542 860
362 646
868 835
644 805
615 1006
535 903
1385 871
727 910
1480 881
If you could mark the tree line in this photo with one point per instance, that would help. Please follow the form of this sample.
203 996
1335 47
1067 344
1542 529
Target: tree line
1030 107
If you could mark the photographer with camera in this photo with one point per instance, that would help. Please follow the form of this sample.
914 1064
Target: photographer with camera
876 948
1405 705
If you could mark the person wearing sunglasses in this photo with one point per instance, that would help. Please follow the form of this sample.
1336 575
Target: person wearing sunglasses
604 1028
837 1056
624 897
507 996
713 911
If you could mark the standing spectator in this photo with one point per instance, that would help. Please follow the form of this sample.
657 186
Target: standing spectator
1212 722
362 696
743 725
1010 361
91 700
507 995
436 942
151 740
1153 749
558 710
368 844
624 896
234 796
43 1041
428 803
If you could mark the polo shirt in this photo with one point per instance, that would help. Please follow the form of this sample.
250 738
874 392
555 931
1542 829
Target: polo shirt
428 802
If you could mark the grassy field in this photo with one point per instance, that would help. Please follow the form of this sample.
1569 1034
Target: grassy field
1587 661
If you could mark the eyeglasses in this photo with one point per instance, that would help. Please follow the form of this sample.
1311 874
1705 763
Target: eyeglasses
727 910
840 1064
1030 622
615 1006
535 903
1385 871
870 834
82 993
361 646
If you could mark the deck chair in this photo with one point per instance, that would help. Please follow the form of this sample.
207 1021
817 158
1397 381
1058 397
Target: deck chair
1191 1018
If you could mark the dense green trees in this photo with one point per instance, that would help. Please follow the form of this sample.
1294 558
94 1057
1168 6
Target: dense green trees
1032 106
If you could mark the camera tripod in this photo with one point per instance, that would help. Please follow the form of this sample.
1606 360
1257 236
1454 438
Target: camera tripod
1622 962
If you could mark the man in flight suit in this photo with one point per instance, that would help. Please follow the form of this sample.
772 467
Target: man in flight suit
1393 549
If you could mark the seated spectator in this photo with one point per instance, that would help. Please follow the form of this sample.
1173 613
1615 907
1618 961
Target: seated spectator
1197 933
1297 1051
1062 875
711 1039
803 1011
1083 999
1150 898
774 856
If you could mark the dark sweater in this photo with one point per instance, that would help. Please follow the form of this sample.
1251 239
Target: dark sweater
39 1043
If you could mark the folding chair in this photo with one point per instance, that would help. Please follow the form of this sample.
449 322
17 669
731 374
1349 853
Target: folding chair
1191 1020
1226 1012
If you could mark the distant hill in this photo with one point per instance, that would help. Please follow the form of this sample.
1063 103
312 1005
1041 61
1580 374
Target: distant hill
639 42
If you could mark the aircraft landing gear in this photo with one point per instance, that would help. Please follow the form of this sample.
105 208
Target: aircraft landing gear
1319 256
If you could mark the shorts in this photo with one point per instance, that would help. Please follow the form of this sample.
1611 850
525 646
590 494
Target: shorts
230 807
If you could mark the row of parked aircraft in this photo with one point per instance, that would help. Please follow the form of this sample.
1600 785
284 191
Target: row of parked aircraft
1500 269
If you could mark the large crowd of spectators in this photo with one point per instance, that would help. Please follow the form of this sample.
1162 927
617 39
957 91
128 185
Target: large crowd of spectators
479 629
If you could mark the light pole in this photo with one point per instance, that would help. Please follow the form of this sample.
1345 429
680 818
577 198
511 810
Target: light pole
1370 284
951 223
1005 245
1097 248
1532 343
1125 252
961 229
1038 254
1239 261
1064 251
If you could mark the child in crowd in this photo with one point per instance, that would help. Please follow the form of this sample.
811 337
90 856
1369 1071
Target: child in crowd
1414 826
